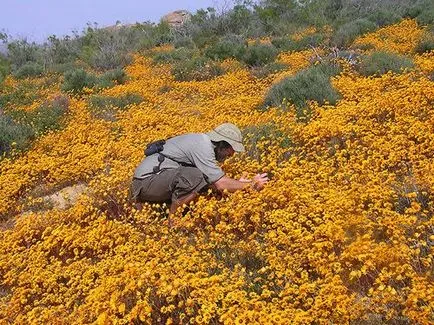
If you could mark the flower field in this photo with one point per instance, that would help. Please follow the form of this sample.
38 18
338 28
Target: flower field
342 234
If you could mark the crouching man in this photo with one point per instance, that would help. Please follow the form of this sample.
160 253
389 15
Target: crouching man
178 169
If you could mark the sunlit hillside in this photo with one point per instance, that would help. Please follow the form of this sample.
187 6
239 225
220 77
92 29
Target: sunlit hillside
343 233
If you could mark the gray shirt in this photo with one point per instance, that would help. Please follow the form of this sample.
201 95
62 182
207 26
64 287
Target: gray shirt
193 148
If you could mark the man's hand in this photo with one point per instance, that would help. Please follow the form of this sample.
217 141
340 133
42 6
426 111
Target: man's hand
259 181
244 178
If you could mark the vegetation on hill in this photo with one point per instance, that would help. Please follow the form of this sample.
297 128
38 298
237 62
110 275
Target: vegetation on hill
334 99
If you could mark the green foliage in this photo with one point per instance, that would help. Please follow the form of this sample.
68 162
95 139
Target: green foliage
4 68
75 80
266 70
111 78
20 127
426 43
286 44
63 51
29 69
380 62
24 94
13 135
177 55
312 83
21 52
184 41
198 68
426 17
259 55
46 117
105 107
228 47
384 17
255 134
348 32
282 43
103 102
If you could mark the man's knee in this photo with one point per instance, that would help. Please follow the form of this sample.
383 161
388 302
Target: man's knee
189 180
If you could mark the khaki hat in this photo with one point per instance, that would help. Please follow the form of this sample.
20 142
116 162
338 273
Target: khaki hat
230 133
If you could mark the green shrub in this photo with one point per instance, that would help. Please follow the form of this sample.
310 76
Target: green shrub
259 55
348 32
49 116
4 68
105 107
97 102
384 17
197 68
255 134
21 52
20 127
184 41
45 118
24 94
379 63
266 70
426 17
13 135
282 43
111 78
312 83
61 68
308 41
181 54
75 80
29 69
426 43
229 47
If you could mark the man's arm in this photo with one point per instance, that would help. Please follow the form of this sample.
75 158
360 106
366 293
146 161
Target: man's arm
232 185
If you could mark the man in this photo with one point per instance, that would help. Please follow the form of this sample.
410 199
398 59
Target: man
188 164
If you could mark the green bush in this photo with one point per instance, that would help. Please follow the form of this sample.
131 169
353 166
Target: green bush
29 69
266 70
21 52
4 68
75 80
45 118
348 32
308 41
97 102
20 127
24 94
426 43
379 63
197 68
181 54
287 44
426 17
13 135
384 17
255 134
282 43
312 83
106 107
184 41
229 47
111 78
259 55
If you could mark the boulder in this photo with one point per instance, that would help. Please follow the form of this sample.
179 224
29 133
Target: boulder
177 18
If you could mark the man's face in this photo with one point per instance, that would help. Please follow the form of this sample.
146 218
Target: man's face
223 153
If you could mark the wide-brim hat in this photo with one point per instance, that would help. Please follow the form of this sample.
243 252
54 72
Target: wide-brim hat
230 133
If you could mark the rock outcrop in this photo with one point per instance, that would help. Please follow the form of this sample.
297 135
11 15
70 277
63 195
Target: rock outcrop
177 18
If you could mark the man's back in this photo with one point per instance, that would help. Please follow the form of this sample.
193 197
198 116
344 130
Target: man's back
194 149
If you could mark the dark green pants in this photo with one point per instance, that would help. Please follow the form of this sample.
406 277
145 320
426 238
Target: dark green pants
168 185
